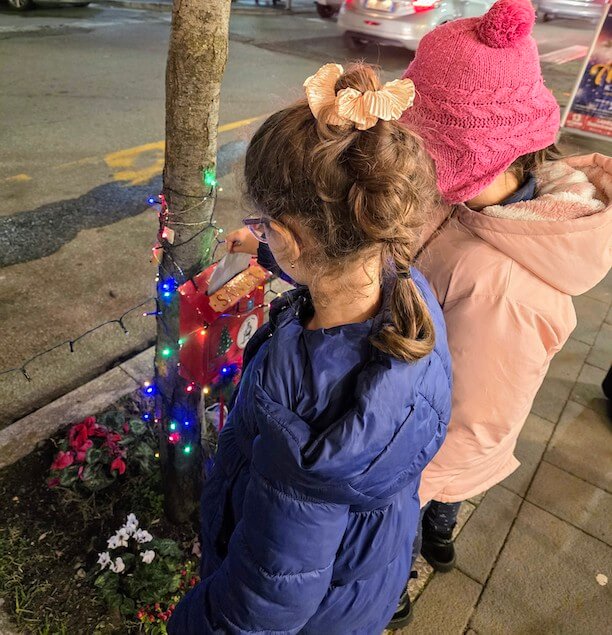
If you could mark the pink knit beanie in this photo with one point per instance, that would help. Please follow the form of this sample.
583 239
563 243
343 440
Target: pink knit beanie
481 101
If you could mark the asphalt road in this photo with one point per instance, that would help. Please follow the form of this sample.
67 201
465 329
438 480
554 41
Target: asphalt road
81 148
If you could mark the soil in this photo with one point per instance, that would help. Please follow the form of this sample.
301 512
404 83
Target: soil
49 541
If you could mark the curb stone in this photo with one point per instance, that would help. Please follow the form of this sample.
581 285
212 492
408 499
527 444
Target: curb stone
21 437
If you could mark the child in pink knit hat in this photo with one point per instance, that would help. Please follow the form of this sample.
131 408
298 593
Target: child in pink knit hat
524 234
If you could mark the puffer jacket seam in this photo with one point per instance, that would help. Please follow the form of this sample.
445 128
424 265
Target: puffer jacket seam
300 498
258 632
447 375
366 512
276 576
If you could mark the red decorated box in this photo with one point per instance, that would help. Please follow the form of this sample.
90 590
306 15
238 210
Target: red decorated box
214 329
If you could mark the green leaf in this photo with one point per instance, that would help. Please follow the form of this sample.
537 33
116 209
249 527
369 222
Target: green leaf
138 427
113 420
68 477
93 455
165 547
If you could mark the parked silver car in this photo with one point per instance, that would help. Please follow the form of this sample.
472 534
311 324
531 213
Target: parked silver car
582 9
400 22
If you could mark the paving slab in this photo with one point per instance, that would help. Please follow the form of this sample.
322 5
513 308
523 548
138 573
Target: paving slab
20 438
445 605
581 445
140 367
545 581
588 390
483 535
574 500
529 450
560 379
602 291
476 500
591 314
601 353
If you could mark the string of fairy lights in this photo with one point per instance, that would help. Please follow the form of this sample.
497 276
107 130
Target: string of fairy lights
167 289
177 417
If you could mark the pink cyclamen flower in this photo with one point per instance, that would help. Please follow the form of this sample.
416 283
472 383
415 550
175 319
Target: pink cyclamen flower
119 465
62 460
78 435
81 452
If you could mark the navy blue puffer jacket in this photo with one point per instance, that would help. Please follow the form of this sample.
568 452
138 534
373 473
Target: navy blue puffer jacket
309 515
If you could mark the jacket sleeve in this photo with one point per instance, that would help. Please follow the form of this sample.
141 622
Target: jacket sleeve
500 351
277 570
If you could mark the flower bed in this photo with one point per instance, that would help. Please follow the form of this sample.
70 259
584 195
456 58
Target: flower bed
54 576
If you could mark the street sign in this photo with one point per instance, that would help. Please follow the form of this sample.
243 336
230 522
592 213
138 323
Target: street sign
589 111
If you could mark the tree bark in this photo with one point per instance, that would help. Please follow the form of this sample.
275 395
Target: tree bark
196 61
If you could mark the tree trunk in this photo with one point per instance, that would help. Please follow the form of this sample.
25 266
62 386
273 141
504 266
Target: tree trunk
196 61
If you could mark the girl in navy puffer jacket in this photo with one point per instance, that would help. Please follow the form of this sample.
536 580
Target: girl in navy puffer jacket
310 513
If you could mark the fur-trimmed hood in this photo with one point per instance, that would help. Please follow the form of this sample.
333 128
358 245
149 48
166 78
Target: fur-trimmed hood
564 235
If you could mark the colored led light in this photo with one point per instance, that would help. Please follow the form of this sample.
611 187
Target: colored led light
210 178
174 438
166 352
187 449
172 425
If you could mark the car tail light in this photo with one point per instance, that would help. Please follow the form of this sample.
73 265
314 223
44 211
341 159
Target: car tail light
420 6
371 23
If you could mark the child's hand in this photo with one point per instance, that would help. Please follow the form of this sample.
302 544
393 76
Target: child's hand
241 241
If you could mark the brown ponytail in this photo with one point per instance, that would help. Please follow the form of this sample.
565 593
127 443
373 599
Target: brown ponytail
361 193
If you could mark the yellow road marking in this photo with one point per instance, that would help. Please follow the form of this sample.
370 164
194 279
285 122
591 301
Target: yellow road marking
18 178
140 164
135 165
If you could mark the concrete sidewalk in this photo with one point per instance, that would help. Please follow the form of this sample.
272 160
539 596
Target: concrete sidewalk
535 553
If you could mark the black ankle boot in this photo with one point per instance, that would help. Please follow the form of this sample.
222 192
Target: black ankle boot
403 614
438 549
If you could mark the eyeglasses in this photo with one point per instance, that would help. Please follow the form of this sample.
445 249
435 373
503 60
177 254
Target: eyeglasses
259 227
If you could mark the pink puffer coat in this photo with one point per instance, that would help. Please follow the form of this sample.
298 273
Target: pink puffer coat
504 277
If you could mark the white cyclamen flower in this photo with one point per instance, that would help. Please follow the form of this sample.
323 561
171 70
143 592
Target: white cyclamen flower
142 535
131 524
122 537
147 556
104 559
118 566
113 542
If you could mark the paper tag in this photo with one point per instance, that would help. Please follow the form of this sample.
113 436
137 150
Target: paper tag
168 234
237 288
229 266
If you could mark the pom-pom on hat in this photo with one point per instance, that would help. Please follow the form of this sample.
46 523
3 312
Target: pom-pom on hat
480 99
